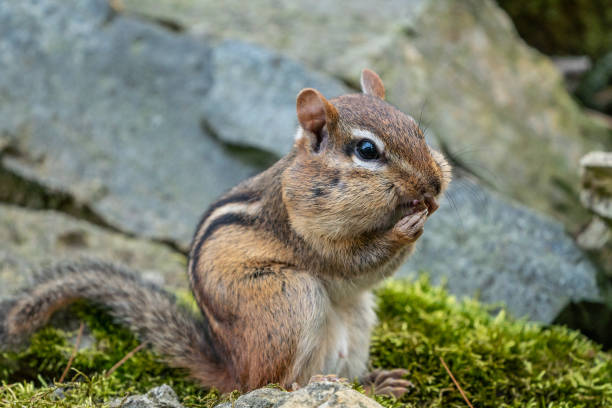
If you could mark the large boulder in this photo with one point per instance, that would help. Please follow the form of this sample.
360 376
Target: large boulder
498 107
112 111
34 238
252 98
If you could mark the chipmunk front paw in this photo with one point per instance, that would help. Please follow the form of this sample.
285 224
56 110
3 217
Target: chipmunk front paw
409 228
386 382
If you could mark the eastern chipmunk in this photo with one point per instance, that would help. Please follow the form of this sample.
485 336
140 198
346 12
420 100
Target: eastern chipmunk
282 266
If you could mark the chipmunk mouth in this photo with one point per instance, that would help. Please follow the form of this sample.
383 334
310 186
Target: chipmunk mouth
405 209
413 206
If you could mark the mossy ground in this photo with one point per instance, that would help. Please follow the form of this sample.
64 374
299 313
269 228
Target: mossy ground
498 361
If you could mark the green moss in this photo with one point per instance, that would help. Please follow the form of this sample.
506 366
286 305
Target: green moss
29 376
499 362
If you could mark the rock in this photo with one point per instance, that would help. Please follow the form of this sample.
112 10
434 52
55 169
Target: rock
33 238
596 195
316 394
120 114
252 99
595 235
159 397
58 394
461 66
498 251
596 172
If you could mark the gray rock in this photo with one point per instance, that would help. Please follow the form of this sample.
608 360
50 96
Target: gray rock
315 394
596 195
34 238
484 246
111 111
498 106
595 235
596 172
252 100
159 397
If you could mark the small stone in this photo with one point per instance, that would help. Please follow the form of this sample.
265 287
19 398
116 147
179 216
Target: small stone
596 172
596 234
330 394
159 397
58 394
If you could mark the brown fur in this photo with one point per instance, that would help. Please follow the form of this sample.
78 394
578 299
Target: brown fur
282 265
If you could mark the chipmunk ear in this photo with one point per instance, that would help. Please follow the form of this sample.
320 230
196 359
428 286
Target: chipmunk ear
315 114
371 84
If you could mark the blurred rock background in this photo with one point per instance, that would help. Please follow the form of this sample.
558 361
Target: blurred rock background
121 121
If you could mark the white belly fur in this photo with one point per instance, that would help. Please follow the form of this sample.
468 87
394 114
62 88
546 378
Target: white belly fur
338 339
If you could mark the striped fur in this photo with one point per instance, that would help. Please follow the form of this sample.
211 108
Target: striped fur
184 340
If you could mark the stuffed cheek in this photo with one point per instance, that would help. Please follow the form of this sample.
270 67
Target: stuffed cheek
363 211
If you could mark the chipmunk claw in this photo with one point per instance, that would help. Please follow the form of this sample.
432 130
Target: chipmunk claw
411 226
386 382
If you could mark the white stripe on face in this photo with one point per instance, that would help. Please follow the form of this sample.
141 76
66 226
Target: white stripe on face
359 134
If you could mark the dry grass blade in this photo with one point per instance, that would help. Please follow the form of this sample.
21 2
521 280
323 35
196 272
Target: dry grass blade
125 358
74 351
456 383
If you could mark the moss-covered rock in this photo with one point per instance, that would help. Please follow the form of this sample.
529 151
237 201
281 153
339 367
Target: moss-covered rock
497 360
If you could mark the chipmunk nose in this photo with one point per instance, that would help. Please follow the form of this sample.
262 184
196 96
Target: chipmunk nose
431 204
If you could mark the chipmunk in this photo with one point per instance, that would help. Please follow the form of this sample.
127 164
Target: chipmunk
283 265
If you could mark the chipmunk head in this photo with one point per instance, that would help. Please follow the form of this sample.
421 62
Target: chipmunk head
360 165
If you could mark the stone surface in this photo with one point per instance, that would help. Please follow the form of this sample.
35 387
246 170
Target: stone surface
595 235
460 64
497 251
30 239
252 99
112 110
316 394
159 397
596 195
596 172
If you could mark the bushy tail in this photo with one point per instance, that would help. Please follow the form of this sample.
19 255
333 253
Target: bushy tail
183 339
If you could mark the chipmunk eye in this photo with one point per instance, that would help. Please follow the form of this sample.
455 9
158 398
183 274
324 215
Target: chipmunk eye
366 150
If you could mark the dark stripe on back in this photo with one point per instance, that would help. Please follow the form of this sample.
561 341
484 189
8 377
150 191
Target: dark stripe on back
248 196
222 221
260 272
